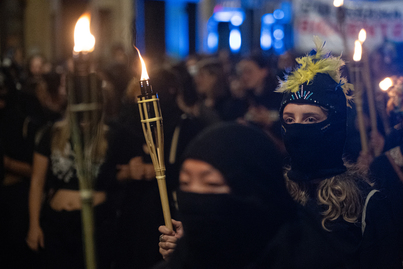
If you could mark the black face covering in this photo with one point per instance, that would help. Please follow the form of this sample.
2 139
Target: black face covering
234 224
232 230
316 150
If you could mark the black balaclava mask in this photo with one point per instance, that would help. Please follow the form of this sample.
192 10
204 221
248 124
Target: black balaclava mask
316 150
230 230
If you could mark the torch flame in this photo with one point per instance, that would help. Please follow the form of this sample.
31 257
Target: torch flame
362 36
83 39
386 84
338 3
144 74
357 51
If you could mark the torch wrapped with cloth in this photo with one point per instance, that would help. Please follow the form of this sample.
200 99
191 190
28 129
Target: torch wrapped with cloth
151 122
85 115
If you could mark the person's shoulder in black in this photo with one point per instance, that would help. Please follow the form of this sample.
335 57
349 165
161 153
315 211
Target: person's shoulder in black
43 140
388 182
381 243
301 243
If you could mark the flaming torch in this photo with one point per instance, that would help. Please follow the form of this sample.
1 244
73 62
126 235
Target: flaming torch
358 96
84 111
367 78
341 17
338 3
384 85
151 121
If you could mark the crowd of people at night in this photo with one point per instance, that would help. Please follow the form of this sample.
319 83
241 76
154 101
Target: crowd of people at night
264 166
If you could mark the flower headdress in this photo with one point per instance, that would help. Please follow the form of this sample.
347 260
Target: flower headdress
318 61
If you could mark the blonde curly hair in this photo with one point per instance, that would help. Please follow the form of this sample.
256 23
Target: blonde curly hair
340 195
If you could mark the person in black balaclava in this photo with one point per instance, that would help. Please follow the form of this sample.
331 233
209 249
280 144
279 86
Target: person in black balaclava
236 211
313 114
239 220
316 149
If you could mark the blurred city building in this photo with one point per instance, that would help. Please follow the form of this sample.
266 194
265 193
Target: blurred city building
178 28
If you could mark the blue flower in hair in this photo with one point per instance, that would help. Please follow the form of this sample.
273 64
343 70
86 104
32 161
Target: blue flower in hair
339 85
312 52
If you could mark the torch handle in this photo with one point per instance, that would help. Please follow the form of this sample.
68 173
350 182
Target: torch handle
87 214
361 126
370 92
360 112
81 101
151 120
164 200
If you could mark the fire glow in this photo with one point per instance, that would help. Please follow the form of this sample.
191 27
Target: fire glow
338 3
362 36
84 41
386 84
357 51
144 74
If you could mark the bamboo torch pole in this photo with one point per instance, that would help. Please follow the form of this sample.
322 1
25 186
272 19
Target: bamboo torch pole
81 140
358 97
82 107
341 18
151 121
370 93
367 78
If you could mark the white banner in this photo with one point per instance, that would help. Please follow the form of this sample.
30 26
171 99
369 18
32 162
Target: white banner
383 21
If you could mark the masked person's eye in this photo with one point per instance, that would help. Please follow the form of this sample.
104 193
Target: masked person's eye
289 120
311 120
215 184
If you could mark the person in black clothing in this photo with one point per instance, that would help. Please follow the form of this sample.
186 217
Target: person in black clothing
356 220
313 114
54 196
386 170
236 211
17 136
258 83
55 226
119 74
215 103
